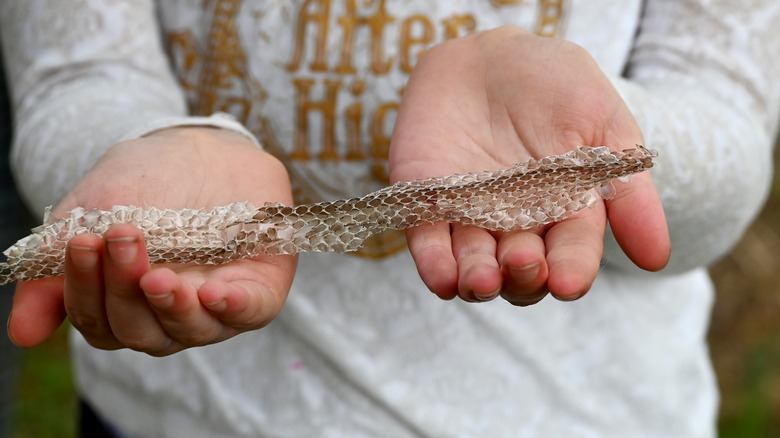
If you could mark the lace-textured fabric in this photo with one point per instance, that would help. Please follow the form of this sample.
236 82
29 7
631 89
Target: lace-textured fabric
523 196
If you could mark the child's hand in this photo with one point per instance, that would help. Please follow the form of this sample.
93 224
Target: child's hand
496 98
110 292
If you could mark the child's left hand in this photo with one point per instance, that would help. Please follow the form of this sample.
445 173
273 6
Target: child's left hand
500 97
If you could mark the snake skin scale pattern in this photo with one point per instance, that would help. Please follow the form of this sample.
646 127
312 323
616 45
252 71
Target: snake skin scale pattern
526 195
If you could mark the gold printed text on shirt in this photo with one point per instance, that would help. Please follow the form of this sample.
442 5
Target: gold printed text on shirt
327 84
549 17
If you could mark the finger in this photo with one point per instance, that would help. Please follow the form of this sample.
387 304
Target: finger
431 249
250 293
638 222
574 250
132 321
84 298
479 276
178 309
521 256
37 312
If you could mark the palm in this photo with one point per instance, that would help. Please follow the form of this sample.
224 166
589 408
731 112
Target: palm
501 97
162 309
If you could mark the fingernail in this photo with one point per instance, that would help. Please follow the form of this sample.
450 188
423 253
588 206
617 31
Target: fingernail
123 250
489 297
83 258
161 301
8 329
525 274
217 306
574 297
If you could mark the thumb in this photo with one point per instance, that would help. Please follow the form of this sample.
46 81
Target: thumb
37 312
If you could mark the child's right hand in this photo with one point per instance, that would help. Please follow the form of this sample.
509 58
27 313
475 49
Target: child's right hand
114 297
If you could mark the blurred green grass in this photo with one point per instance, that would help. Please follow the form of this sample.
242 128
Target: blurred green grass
45 405
745 331
744 341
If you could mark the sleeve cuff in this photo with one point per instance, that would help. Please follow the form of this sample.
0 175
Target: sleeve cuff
216 120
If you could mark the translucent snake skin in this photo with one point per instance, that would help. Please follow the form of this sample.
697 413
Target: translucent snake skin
526 195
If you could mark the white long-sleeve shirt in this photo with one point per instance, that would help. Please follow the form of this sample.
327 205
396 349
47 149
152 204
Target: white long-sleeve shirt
360 348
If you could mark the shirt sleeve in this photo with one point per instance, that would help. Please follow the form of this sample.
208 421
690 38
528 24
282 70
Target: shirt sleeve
702 84
85 75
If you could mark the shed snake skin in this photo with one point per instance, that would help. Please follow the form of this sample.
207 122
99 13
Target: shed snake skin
526 195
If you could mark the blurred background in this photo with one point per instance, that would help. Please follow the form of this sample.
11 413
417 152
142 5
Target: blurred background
745 332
